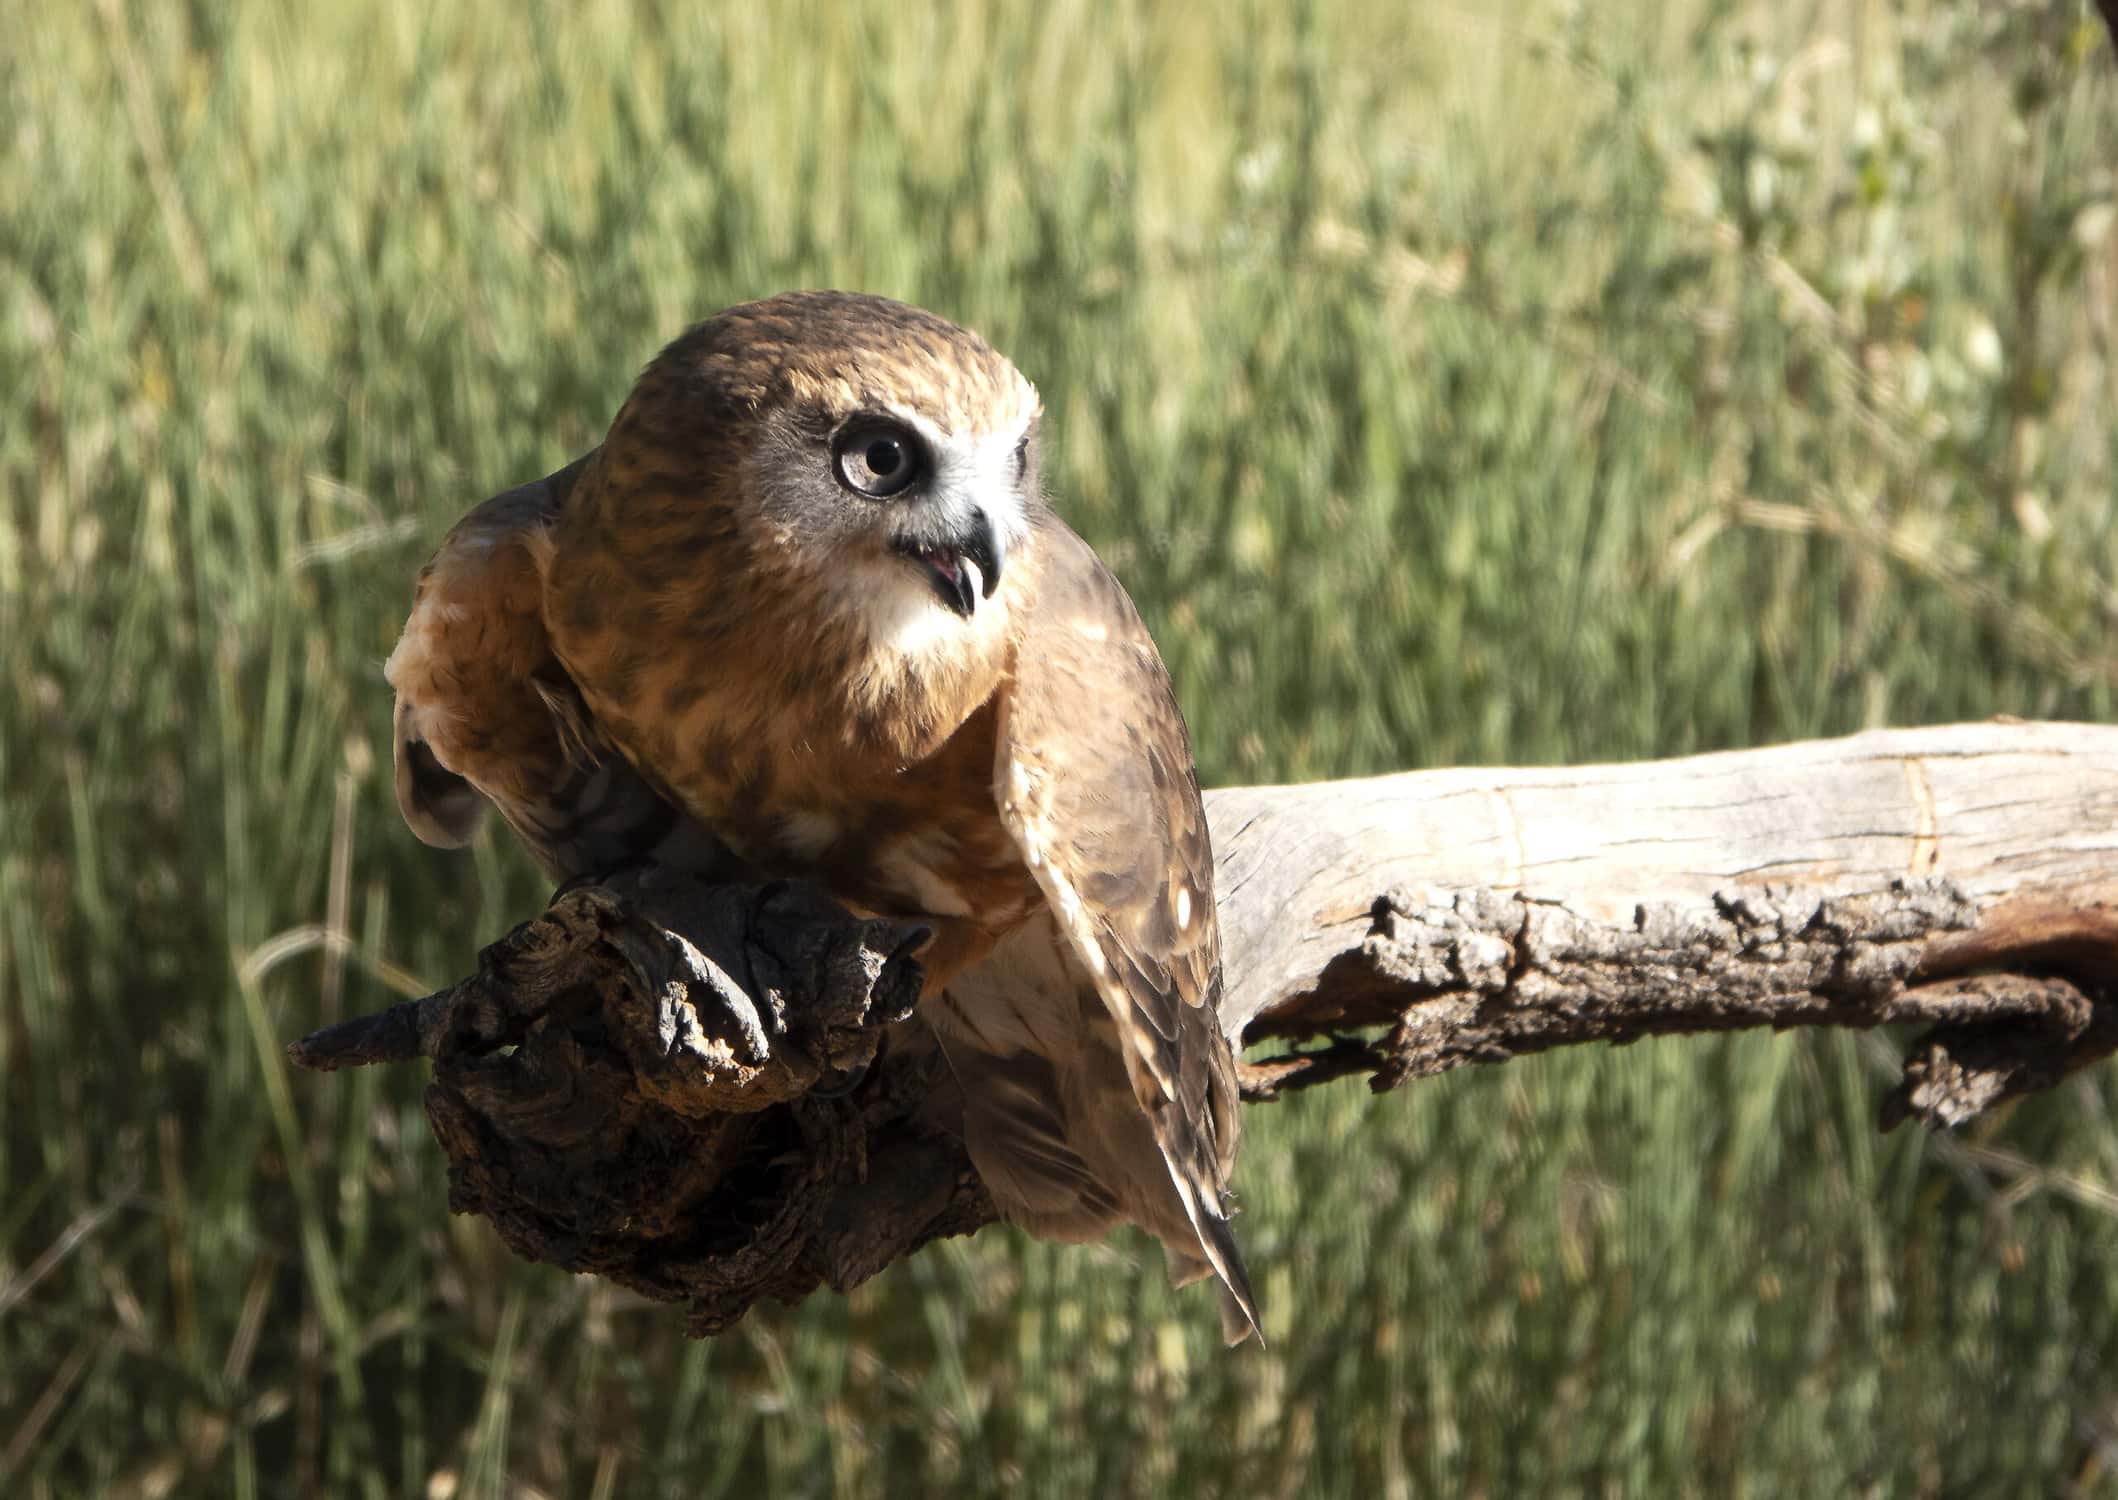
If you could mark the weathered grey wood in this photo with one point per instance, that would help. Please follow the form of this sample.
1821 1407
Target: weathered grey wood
2000 809
1482 914
708 1094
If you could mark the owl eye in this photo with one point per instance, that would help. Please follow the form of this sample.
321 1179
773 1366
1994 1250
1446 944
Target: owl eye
878 459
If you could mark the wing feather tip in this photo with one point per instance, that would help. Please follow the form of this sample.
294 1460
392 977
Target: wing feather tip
441 808
1239 1305
1217 1244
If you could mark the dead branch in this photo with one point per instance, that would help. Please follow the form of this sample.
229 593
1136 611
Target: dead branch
717 1094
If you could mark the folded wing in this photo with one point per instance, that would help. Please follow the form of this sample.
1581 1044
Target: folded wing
486 714
1095 782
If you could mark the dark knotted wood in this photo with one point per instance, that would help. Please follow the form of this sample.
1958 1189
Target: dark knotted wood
705 1093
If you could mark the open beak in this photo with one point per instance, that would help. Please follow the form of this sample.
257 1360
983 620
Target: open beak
965 568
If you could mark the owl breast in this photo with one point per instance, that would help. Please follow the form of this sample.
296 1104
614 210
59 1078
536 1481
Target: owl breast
926 841
917 840
811 739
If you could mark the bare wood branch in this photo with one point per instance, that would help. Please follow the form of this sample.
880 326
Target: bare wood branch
1480 914
715 1093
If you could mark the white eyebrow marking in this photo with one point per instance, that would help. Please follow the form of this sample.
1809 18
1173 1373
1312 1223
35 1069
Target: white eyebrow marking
977 466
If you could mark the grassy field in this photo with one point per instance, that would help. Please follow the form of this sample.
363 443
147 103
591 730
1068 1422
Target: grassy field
1602 383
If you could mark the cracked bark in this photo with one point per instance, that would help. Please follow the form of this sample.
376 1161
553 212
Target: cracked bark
714 1094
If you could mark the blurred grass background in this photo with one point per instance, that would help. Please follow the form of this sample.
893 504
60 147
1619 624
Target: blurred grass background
1539 385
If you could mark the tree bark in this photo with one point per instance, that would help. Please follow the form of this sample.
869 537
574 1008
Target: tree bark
718 1094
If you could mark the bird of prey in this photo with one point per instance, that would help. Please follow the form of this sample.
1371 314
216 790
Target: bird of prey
806 603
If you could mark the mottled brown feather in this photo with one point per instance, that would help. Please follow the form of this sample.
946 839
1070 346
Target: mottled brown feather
486 713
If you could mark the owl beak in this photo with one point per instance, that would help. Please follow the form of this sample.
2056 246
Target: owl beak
965 568
983 554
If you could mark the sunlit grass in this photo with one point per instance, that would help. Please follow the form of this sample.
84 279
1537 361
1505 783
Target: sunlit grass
1447 387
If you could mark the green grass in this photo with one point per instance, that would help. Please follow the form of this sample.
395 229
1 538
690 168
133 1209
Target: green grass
1447 388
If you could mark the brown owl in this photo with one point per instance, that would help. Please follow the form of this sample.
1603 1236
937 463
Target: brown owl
806 603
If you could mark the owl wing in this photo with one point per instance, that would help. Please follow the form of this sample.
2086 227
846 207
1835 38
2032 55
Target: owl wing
486 714
1095 783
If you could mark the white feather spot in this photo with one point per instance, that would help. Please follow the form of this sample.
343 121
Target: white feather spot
913 865
903 618
807 834
420 639
1183 908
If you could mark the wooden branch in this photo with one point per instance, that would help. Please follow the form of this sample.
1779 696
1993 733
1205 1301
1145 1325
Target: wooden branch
1964 876
715 1093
